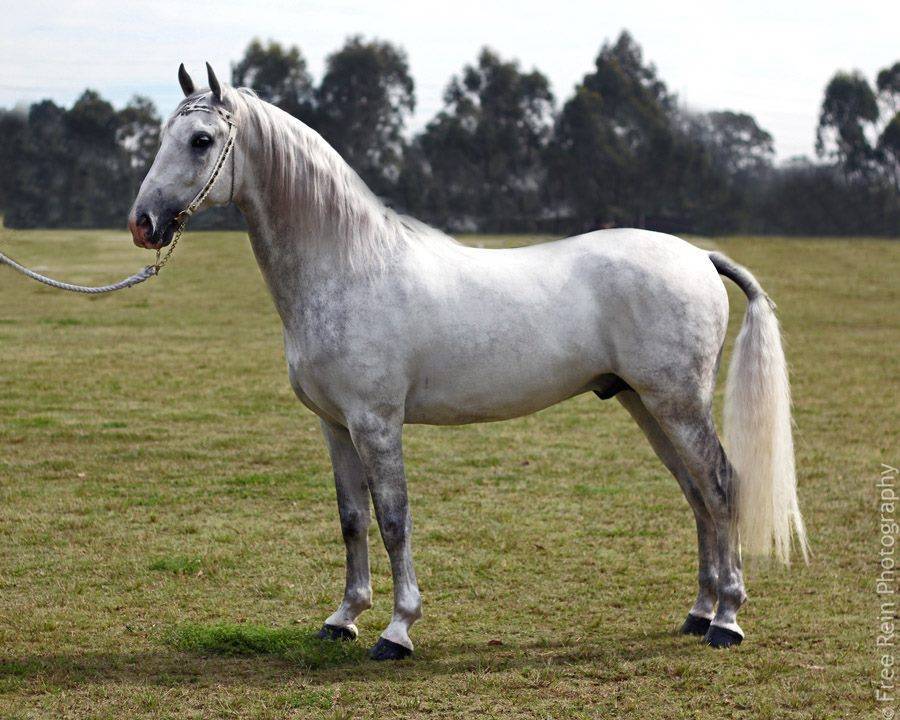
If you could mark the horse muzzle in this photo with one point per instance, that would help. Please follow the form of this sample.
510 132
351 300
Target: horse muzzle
149 234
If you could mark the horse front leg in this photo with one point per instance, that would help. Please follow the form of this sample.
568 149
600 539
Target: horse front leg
353 507
379 444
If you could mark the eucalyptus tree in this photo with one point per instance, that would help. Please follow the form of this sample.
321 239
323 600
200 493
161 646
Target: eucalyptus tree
13 138
279 75
846 121
38 195
484 150
888 85
738 143
99 179
888 148
363 103
138 135
616 135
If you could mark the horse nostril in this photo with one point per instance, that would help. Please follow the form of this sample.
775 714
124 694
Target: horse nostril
145 224
145 227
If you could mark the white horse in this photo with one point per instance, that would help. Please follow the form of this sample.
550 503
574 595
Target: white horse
387 321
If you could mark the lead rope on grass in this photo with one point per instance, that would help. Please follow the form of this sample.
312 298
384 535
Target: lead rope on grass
180 220
139 277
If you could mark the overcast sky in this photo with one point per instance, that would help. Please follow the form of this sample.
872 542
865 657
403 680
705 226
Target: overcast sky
769 58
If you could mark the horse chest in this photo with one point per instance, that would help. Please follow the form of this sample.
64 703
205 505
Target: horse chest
308 371
329 361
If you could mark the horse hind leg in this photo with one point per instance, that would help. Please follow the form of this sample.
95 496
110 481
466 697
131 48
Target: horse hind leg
689 427
703 610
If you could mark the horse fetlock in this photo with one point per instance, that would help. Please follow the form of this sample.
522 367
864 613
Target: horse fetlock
408 606
356 601
344 616
359 599
398 632
732 595
705 605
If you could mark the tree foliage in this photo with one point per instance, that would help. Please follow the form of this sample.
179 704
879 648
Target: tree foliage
624 113
278 75
737 144
483 152
79 167
849 108
498 156
363 103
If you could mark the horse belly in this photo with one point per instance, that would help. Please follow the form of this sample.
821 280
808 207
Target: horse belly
462 390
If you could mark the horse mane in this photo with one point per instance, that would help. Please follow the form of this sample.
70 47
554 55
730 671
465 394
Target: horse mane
309 180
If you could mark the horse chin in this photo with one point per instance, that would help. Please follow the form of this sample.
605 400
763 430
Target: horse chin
166 236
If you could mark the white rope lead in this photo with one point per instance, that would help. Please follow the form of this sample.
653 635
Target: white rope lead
180 220
139 277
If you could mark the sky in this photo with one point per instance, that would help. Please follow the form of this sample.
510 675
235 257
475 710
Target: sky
769 58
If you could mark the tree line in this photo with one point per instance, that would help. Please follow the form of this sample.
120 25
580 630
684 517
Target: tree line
500 156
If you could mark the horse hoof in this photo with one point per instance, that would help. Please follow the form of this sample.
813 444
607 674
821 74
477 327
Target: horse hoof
388 650
334 632
719 637
695 625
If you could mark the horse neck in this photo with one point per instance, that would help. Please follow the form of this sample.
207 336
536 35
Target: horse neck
325 224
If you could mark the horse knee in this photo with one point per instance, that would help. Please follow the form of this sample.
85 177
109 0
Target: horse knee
354 524
395 530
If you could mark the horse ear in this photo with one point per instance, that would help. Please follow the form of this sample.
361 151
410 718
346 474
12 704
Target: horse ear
187 85
214 82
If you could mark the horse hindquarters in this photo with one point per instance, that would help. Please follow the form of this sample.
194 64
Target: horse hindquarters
753 500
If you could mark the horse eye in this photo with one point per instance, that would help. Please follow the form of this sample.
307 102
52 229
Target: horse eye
201 140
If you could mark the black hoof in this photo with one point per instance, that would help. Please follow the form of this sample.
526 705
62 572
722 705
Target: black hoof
387 650
333 632
694 625
719 637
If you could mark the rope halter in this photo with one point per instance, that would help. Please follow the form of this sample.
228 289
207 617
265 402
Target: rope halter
180 219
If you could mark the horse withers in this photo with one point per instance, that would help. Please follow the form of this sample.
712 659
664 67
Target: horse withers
388 321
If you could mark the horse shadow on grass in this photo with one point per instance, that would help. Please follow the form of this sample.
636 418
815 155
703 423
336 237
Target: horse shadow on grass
266 657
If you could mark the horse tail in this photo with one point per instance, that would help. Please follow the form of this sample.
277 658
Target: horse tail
758 434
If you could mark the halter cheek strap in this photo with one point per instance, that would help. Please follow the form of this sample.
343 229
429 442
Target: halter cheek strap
182 217
220 161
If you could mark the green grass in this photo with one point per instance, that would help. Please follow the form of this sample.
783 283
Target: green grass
179 565
291 644
171 543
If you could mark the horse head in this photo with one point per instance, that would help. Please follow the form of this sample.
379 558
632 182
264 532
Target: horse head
186 173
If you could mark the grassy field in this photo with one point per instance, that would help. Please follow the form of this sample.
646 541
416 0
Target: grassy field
170 538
